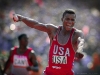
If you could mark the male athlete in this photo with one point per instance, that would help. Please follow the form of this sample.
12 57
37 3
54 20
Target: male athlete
22 59
66 42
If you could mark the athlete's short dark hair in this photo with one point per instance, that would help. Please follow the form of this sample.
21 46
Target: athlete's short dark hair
68 11
21 36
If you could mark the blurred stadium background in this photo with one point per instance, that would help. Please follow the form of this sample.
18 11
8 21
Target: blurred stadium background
50 11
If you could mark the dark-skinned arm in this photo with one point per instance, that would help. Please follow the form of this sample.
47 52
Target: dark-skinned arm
8 62
33 59
35 24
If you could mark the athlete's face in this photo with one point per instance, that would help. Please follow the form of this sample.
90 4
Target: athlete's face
68 21
24 41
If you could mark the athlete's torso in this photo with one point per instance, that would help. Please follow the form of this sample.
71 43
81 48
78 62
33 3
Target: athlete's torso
61 56
20 62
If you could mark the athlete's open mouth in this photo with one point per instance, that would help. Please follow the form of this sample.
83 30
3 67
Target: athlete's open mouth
68 26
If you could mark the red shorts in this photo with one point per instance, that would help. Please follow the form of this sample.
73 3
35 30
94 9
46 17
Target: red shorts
49 71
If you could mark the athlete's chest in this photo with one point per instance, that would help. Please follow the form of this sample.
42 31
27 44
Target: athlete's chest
60 53
60 50
20 60
63 39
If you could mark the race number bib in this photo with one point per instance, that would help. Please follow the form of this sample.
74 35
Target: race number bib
59 59
20 61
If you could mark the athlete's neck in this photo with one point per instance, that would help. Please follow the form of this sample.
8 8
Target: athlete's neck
64 31
22 47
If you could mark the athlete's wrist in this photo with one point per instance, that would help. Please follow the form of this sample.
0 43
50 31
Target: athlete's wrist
34 68
20 17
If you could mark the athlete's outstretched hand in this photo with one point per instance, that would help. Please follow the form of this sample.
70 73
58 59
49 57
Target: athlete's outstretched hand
17 17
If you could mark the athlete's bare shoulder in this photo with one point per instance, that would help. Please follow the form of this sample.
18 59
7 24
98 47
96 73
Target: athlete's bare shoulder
12 49
52 28
32 54
31 50
78 32
53 31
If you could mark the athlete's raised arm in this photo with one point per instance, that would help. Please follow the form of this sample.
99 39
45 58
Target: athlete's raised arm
35 24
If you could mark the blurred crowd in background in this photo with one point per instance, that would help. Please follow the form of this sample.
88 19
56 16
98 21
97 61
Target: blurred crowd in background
50 11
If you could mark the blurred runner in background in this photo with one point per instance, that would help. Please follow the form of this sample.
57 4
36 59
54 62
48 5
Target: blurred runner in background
22 60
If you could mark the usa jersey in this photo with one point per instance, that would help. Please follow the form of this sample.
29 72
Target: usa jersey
61 56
